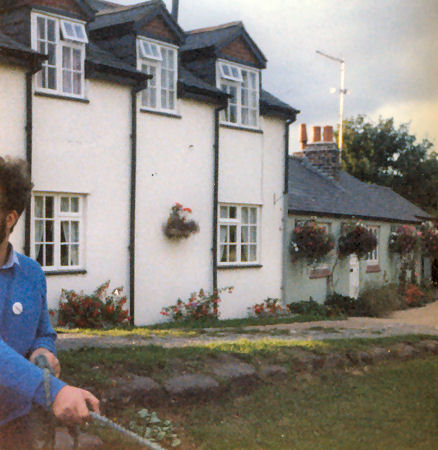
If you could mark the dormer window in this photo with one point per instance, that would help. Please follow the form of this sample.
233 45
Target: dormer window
63 40
160 61
242 83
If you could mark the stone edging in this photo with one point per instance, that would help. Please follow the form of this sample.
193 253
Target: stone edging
224 375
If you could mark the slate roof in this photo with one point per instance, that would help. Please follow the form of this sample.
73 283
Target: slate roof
100 57
218 37
100 5
269 102
9 44
311 192
192 82
208 37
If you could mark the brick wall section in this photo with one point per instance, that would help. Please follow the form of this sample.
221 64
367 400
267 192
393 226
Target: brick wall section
325 157
239 49
158 27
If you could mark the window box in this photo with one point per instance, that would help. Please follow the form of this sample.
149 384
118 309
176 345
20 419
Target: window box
373 268
320 273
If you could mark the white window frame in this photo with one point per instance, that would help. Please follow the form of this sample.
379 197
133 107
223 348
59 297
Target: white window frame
225 82
237 222
373 257
145 62
74 36
72 42
58 218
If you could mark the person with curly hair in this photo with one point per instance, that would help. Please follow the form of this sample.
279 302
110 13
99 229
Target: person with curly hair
25 330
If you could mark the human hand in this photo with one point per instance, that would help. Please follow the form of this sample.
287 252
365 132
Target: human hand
51 359
71 405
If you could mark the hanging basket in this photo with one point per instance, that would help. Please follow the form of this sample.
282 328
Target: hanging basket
178 226
310 242
356 239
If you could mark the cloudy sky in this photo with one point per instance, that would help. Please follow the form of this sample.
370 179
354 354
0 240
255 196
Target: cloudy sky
390 49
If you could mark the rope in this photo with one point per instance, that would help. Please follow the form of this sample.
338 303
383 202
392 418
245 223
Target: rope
122 430
41 362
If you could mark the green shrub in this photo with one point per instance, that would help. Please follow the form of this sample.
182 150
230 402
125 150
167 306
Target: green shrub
341 304
96 310
379 301
307 308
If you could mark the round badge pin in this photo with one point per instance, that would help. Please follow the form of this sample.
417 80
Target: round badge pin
17 308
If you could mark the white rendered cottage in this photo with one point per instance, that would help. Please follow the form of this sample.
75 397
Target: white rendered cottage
109 158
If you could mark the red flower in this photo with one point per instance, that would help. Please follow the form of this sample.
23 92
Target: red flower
178 205
187 210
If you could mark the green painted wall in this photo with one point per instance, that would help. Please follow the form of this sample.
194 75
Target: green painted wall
299 285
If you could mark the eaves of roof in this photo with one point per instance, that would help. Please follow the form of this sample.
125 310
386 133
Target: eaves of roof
269 104
20 53
312 193
104 62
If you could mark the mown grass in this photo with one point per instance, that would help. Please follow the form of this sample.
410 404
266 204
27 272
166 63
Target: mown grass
390 406
393 406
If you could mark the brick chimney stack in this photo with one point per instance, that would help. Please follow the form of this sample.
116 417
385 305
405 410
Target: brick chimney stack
323 155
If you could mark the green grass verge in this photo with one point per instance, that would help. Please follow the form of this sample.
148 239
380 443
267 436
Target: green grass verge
391 406
95 367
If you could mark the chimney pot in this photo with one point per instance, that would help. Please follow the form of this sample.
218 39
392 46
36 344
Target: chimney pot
303 135
316 134
328 134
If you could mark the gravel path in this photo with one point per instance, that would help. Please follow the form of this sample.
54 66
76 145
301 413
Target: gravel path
413 321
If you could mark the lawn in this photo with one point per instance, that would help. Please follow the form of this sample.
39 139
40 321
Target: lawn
393 405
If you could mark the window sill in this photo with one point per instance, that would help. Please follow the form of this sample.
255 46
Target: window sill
51 273
240 266
238 127
373 268
61 97
319 273
161 113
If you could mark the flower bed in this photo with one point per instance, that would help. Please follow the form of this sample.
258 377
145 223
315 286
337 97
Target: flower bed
96 310
200 306
268 308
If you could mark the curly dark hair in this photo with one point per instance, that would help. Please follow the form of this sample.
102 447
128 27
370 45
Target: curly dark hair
15 185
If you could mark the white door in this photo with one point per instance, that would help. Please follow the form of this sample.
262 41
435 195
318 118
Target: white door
354 276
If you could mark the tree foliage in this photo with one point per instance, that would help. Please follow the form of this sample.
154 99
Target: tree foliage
383 154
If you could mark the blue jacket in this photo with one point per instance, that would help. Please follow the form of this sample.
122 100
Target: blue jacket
22 282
